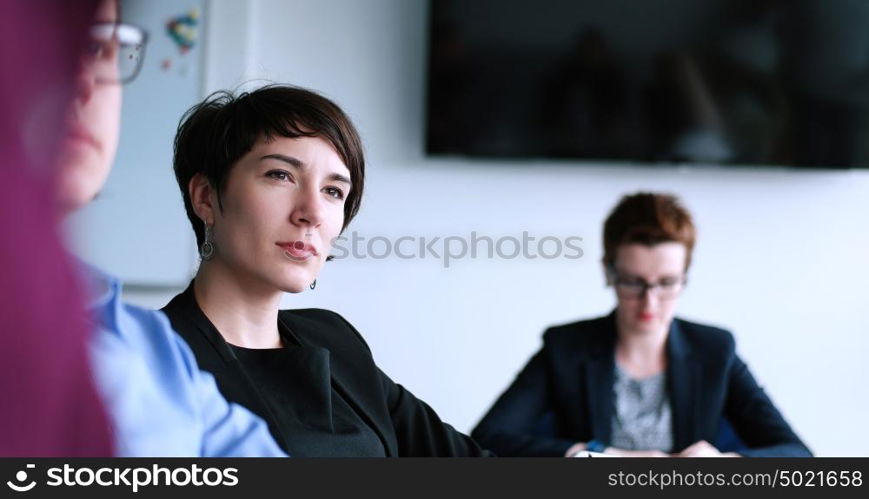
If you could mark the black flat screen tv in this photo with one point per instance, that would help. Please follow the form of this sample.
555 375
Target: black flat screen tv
732 82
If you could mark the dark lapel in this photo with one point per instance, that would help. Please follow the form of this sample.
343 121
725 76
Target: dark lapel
600 375
212 352
684 384
340 372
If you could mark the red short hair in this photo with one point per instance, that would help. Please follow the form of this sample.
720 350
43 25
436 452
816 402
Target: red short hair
648 218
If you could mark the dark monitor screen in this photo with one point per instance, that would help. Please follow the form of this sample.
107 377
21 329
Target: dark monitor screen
752 82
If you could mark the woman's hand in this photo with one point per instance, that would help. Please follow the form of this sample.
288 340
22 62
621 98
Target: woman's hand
703 449
616 452
577 447
634 453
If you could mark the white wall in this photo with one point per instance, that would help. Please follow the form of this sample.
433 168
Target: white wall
124 231
781 259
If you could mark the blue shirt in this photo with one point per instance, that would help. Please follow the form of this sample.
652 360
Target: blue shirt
158 400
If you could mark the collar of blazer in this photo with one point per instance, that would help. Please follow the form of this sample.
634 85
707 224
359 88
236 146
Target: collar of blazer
342 369
344 375
186 304
604 343
683 382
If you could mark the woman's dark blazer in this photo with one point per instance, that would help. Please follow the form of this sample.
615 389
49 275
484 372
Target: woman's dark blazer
564 395
405 425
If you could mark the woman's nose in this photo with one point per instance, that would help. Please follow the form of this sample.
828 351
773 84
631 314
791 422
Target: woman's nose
650 294
85 82
308 209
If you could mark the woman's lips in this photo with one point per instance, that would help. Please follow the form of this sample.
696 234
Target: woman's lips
77 133
298 250
646 317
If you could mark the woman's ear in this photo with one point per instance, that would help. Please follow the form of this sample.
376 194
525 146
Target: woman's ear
202 198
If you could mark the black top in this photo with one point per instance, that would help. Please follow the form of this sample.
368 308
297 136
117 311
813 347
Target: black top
321 395
326 426
564 394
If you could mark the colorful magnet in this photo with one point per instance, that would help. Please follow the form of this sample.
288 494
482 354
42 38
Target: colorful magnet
182 30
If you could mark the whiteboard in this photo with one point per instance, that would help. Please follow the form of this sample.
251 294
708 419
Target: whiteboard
137 229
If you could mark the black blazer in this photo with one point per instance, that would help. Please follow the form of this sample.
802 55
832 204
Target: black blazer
405 425
564 395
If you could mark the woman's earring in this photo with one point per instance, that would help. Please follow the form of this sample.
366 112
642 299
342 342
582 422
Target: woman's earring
206 251
314 284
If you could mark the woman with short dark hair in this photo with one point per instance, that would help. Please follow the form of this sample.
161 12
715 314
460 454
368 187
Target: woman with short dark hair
269 179
638 382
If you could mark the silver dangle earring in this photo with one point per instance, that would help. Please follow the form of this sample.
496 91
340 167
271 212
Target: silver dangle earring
313 284
206 251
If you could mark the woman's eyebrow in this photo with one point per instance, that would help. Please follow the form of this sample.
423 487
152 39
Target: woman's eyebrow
337 177
297 163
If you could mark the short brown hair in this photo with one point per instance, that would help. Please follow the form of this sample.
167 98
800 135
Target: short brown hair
214 134
648 218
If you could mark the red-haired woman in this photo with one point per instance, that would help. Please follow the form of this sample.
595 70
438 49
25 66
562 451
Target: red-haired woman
638 382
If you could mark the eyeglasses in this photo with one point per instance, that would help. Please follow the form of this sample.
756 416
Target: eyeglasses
115 51
632 287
